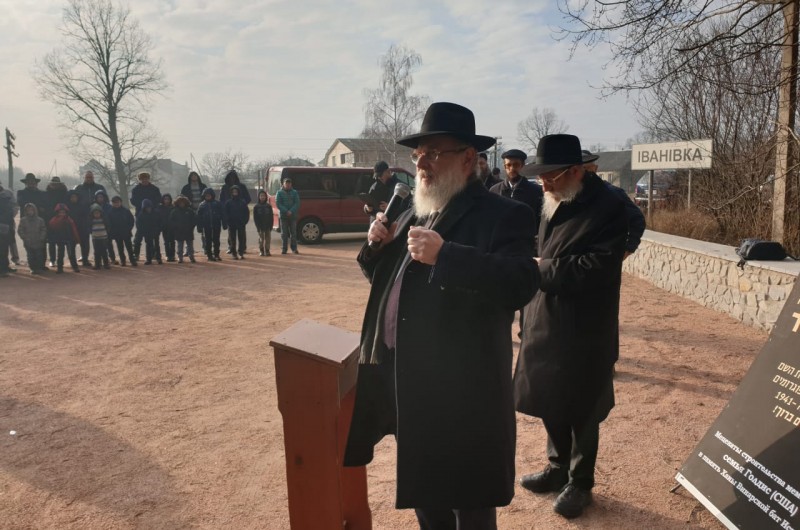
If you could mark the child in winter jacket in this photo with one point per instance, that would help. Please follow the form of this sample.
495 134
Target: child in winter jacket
263 218
99 231
209 219
163 210
147 223
182 221
101 198
236 216
63 231
120 229
33 232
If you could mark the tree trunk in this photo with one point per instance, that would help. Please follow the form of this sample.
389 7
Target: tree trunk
119 165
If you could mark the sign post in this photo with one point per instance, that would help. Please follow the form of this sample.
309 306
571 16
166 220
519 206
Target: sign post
746 469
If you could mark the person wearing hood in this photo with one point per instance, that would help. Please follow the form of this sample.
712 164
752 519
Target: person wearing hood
237 215
193 190
209 218
63 231
144 190
79 212
99 230
88 188
164 209
182 221
120 227
56 192
263 218
148 225
232 179
33 232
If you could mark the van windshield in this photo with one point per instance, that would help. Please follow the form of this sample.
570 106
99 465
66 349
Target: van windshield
274 181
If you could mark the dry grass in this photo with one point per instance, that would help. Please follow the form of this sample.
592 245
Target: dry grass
686 223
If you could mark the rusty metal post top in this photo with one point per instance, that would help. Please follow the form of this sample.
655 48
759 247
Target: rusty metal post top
325 343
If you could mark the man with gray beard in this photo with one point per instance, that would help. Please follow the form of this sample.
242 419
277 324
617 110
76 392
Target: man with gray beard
435 357
571 340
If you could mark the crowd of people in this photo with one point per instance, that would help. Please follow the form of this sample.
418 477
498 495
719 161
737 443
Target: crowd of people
56 223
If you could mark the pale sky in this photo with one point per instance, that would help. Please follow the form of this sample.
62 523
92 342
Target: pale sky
280 77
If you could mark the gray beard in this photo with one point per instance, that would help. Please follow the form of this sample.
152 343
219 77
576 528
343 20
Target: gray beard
553 199
429 199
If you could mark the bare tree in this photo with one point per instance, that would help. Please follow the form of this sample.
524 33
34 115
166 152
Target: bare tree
214 166
391 110
101 78
540 122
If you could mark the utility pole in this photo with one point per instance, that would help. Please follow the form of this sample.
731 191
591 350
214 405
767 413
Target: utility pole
784 185
496 140
11 154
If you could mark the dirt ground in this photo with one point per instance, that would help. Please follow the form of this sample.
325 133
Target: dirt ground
145 397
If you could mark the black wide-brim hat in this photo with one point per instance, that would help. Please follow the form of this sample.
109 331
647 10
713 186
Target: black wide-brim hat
556 151
30 177
450 119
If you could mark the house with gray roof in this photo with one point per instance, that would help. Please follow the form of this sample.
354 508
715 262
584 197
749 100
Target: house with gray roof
365 152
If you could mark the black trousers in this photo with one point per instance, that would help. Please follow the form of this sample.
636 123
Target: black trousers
211 241
169 245
100 251
36 257
236 235
573 447
5 244
84 246
123 243
152 249
70 248
447 519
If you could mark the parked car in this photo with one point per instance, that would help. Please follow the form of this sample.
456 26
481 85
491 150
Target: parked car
329 199
664 186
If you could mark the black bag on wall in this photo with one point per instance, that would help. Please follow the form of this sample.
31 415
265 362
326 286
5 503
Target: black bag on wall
759 249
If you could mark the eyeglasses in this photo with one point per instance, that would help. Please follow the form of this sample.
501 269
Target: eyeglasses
434 154
550 180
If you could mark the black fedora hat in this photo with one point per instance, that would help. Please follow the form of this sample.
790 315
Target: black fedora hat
30 177
450 119
556 151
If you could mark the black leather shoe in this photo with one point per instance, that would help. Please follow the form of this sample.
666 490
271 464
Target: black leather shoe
548 480
572 501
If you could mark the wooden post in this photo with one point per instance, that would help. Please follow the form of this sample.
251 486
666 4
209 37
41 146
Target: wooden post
787 106
315 369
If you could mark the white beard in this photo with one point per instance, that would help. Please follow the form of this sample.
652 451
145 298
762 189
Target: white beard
434 197
552 199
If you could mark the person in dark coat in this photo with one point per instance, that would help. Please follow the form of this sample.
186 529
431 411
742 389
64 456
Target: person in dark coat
164 209
236 215
31 194
143 190
120 229
435 354
484 173
6 229
63 231
79 212
56 193
636 220
232 179
182 221
209 220
193 190
564 371
89 188
519 188
149 225
264 218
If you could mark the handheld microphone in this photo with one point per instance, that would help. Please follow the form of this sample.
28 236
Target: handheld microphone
394 209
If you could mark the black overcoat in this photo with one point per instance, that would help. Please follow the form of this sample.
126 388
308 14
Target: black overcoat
571 339
446 394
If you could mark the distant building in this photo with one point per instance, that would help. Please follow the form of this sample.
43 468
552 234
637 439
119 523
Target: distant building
615 167
365 152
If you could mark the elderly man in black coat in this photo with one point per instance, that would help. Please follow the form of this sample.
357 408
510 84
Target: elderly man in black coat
435 363
571 338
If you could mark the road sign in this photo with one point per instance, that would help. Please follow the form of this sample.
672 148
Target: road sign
693 154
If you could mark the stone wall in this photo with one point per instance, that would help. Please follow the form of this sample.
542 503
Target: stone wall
707 273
